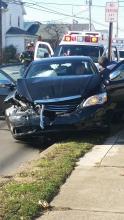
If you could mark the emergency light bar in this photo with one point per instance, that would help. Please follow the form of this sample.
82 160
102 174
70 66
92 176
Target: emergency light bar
80 38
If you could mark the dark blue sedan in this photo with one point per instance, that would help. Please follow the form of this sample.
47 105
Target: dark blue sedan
64 93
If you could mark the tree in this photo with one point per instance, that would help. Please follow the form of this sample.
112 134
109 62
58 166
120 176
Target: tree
55 32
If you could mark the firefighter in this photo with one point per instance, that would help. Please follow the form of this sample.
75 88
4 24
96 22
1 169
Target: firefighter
27 56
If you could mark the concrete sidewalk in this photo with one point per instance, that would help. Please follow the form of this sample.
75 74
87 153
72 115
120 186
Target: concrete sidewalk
95 189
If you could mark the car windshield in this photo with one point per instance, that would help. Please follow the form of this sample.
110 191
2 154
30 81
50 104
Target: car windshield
84 50
60 68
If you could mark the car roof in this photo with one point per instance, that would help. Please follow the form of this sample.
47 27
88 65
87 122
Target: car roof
64 58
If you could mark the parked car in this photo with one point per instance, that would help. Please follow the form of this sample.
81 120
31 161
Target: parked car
53 98
8 76
13 70
6 86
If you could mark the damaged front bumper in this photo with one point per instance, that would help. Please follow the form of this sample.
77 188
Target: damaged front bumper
28 123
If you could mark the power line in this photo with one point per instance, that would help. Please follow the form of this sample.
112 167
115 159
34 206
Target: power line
65 4
49 11
45 9
52 11
67 15
58 4
53 3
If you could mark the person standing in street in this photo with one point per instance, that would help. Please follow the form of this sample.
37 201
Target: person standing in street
27 56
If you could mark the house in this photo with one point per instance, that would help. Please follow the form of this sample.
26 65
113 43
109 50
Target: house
13 32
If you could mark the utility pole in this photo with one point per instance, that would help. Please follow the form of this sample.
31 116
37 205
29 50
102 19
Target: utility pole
72 18
89 2
0 31
117 27
110 41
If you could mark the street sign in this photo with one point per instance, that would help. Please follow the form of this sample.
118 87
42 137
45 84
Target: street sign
111 12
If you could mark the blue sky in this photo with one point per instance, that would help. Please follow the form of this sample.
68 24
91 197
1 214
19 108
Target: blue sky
36 10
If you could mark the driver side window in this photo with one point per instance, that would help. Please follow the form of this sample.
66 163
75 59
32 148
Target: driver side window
42 50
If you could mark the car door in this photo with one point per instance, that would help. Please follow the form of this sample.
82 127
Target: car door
6 86
42 50
115 86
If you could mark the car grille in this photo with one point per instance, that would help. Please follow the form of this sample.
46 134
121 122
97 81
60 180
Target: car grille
60 108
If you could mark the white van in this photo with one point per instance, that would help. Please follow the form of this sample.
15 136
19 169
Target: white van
42 50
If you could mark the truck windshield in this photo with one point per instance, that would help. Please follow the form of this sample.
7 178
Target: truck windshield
83 50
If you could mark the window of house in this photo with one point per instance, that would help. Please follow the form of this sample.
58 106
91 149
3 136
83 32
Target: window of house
18 21
10 20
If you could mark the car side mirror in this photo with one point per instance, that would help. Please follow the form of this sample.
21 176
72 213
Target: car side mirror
114 75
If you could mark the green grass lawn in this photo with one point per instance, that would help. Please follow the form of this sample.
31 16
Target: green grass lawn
23 197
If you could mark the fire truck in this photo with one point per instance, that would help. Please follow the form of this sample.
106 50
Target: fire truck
92 44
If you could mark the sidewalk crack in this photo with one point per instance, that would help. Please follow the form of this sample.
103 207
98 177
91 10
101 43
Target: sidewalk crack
54 208
99 164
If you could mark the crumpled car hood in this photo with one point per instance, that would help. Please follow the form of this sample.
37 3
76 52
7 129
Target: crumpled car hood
55 89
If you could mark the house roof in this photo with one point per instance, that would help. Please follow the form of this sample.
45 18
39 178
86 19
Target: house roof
15 30
33 29
27 24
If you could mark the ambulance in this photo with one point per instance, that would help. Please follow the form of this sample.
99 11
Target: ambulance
85 43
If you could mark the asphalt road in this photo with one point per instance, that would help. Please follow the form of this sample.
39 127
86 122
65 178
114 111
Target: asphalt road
14 154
